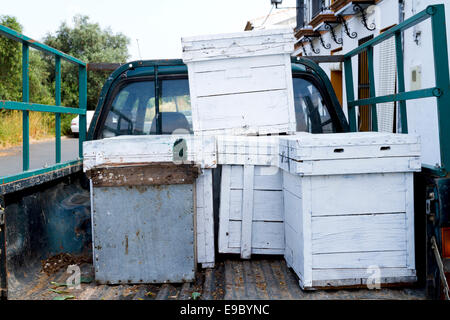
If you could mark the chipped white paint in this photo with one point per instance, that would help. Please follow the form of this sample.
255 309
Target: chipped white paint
251 210
247 150
241 83
201 150
205 219
349 210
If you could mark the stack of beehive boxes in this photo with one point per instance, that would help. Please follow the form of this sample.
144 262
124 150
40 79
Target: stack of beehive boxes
149 194
349 207
241 91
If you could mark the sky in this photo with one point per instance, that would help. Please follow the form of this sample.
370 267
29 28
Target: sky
156 25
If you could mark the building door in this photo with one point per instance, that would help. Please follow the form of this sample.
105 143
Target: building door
336 82
364 114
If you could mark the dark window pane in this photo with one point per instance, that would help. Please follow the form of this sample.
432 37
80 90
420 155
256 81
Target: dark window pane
310 110
175 107
132 111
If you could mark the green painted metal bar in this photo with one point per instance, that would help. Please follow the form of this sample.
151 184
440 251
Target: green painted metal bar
408 23
350 93
410 95
25 113
373 107
15 105
401 80
14 35
25 106
31 173
82 105
58 103
442 76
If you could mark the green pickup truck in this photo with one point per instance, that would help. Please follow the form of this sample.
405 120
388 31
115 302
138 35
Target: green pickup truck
45 218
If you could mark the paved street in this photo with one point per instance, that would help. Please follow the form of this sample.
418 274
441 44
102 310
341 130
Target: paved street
41 154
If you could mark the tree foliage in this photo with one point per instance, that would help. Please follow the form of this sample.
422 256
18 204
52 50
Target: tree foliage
88 42
10 63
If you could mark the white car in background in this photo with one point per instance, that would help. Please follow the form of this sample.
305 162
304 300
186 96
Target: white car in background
75 124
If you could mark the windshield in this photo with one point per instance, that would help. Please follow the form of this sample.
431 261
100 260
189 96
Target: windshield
135 112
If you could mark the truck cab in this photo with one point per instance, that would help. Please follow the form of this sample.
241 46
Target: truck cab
127 104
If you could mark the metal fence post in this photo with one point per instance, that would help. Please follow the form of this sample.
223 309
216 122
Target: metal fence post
372 93
58 103
401 80
25 113
82 87
350 93
441 71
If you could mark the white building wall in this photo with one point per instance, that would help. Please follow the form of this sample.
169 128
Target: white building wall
422 115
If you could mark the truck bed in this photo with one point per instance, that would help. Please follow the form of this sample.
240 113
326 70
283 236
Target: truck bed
232 278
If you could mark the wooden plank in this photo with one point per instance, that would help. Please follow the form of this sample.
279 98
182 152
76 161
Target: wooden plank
205 219
381 259
247 212
236 52
255 109
143 174
200 150
265 235
292 183
339 274
240 79
267 205
294 253
251 62
266 178
224 210
358 233
293 212
356 166
248 159
238 45
307 229
345 151
375 193
410 237
262 251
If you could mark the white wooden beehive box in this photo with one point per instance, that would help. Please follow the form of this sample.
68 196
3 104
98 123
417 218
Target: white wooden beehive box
241 83
251 196
153 149
348 207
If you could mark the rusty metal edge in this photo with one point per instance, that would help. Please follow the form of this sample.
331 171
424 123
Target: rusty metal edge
39 179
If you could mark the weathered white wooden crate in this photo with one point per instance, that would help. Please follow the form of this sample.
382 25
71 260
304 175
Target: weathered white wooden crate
241 83
348 208
251 197
197 150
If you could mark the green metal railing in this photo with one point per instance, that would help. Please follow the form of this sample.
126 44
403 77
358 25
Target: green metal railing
436 13
26 106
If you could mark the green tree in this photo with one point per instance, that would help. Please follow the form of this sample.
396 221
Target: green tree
11 69
10 63
90 43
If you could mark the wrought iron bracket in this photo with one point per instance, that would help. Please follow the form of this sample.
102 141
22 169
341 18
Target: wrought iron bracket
304 50
316 51
329 27
352 35
326 46
357 8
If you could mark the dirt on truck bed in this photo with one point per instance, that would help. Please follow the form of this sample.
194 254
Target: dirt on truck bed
232 278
